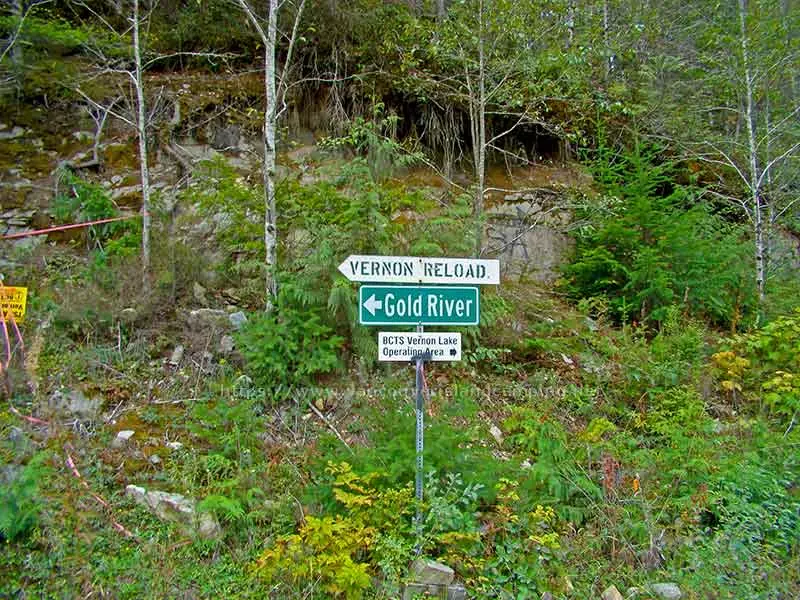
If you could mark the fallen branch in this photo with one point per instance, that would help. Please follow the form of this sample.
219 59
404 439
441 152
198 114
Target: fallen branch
330 425
29 419
98 499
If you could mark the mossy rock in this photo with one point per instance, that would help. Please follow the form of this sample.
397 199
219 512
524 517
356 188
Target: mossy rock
119 157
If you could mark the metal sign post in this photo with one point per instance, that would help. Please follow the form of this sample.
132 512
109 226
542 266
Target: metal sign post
420 444
451 299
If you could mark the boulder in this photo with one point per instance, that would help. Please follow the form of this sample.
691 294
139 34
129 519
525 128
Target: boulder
199 293
237 319
226 345
122 438
12 134
207 318
73 404
177 356
431 572
128 315
450 592
612 593
176 508
665 591
497 434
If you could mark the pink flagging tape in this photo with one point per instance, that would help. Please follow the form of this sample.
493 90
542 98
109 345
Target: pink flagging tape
64 227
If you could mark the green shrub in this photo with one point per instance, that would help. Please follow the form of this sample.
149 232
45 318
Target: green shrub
83 201
288 346
20 503
657 246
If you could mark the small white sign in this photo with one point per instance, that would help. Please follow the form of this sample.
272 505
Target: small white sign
420 269
408 346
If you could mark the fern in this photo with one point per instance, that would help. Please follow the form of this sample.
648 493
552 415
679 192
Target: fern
20 503
224 508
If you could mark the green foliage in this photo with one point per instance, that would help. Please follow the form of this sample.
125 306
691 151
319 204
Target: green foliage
288 346
525 544
84 201
766 360
228 510
333 549
20 502
556 478
200 27
230 426
375 141
657 246
751 525
53 34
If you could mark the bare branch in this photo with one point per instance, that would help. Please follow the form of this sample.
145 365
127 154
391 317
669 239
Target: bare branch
509 130
99 106
287 65
224 56
773 162
251 16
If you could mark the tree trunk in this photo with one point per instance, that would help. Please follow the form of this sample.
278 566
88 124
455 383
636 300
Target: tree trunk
141 130
478 118
270 125
16 49
609 62
752 147
441 11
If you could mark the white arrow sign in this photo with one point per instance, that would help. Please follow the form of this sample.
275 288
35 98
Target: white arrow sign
419 269
371 304
403 347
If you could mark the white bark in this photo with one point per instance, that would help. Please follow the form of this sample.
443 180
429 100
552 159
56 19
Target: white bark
141 130
270 124
477 102
275 93
752 147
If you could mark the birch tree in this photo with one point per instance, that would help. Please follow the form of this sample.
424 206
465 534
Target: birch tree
493 46
748 119
138 117
141 132
275 86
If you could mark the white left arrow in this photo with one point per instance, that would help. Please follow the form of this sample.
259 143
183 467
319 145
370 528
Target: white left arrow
371 304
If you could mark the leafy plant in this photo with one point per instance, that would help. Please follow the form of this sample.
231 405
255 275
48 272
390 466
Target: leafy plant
658 246
288 346
20 503
84 201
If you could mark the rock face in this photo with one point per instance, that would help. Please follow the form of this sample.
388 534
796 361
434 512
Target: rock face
176 508
528 232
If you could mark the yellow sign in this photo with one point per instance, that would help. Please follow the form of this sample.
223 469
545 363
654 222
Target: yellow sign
12 302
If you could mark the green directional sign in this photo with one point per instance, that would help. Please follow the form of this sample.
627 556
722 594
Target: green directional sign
414 305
